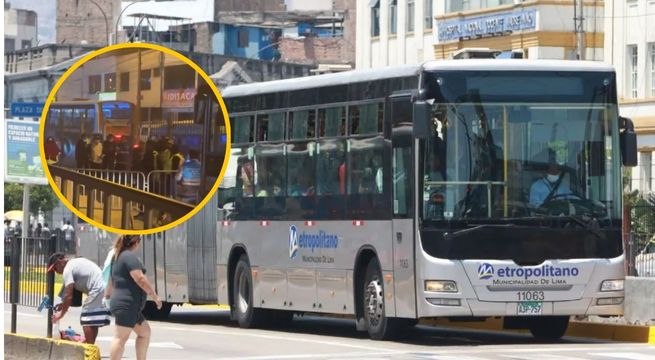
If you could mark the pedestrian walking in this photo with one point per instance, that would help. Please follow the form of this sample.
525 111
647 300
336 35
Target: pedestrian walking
81 275
96 154
127 293
45 231
69 237
51 150
82 152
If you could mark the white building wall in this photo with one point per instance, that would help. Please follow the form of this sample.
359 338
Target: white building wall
388 49
304 5
632 23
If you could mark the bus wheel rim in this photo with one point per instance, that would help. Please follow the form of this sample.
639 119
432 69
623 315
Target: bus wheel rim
374 302
244 292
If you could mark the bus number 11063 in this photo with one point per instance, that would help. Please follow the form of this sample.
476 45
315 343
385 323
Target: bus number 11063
530 295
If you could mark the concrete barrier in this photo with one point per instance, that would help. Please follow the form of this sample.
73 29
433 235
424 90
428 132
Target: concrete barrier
583 329
34 347
639 299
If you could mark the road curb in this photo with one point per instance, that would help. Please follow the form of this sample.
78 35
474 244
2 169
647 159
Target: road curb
18 346
600 331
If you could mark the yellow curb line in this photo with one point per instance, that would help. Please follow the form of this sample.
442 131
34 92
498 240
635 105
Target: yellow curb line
91 352
215 307
614 332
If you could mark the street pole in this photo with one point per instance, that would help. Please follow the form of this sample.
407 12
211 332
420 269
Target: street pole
26 222
106 21
578 23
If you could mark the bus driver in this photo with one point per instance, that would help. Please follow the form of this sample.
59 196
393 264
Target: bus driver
549 183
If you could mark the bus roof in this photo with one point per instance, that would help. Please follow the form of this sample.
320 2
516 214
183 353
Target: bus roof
364 75
309 82
517 65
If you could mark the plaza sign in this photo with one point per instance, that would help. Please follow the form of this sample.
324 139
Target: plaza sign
23 164
22 109
493 25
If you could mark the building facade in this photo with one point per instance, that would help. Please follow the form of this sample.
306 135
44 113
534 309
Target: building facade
86 22
410 31
21 29
630 47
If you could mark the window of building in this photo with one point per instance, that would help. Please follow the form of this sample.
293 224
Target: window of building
427 11
25 44
632 61
95 84
10 45
652 69
110 82
179 77
125 81
410 16
242 39
646 171
393 16
145 79
375 19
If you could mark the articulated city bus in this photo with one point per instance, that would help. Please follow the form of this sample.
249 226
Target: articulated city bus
68 120
454 189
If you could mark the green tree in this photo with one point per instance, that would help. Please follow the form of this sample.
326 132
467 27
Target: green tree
41 197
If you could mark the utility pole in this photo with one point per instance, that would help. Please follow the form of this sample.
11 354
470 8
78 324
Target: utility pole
578 25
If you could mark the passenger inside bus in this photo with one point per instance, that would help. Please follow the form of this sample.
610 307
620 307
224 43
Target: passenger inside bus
551 185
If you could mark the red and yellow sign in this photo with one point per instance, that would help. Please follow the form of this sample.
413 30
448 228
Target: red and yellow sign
178 98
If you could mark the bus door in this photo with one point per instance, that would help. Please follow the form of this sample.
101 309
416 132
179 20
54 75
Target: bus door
402 167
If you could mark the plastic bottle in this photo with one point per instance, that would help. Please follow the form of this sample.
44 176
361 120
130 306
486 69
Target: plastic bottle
70 332
45 303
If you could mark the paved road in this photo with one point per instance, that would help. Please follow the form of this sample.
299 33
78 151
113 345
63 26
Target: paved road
202 333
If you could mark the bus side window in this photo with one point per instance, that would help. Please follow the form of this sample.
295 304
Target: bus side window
242 129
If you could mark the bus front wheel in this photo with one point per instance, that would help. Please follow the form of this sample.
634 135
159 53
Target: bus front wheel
242 303
379 326
549 327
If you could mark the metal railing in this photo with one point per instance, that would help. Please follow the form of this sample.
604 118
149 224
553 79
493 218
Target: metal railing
162 182
133 179
27 281
156 210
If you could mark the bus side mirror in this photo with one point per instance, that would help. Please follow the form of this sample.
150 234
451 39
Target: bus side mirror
421 111
628 142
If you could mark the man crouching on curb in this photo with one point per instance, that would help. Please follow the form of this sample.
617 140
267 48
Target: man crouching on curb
84 276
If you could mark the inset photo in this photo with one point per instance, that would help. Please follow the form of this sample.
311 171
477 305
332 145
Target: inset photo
134 138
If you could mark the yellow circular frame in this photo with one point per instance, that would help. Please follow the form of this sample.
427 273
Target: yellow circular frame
51 98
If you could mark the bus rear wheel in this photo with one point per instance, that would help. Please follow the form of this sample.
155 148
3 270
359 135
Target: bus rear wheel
243 307
379 326
549 327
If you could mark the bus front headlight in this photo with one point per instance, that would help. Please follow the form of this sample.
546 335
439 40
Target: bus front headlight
611 285
448 286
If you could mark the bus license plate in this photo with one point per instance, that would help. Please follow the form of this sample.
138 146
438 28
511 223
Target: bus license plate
530 308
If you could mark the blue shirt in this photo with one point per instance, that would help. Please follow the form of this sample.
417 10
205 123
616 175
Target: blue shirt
190 173
542 187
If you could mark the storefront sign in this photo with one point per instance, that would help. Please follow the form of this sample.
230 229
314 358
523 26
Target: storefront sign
23 163
493 25
106 96
178 98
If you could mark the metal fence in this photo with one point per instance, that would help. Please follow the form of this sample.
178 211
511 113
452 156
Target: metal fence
29 283
641 247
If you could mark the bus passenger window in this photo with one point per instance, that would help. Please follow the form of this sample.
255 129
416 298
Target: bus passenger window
366 119
332 122
302 125
242 130
270 176
270 127
366 167
331 166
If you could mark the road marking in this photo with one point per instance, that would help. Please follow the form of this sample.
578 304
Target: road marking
130 342
313 356
239 332
26 314
542 357
624 355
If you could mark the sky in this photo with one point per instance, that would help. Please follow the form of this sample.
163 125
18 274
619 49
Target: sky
46 12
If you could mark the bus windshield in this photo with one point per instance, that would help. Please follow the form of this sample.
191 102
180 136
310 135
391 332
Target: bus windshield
510 145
